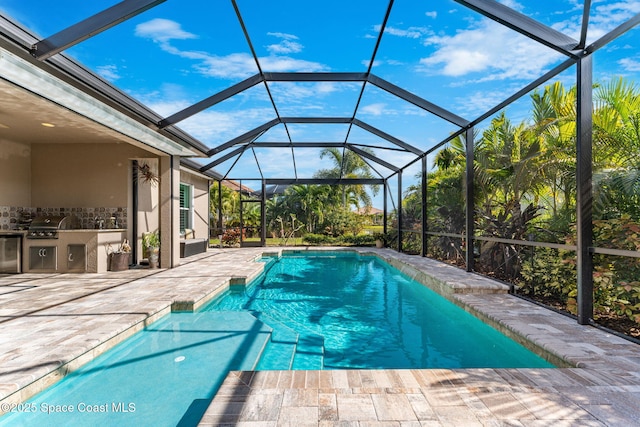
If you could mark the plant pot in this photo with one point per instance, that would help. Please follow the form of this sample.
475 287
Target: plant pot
379 244
153 257
118 261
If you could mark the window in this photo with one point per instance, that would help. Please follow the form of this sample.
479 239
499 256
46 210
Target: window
186 207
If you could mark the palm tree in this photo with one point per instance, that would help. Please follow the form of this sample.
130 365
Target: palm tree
349 165
308 203
230 205
554 125
617 149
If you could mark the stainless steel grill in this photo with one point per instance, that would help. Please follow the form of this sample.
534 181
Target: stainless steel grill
46 227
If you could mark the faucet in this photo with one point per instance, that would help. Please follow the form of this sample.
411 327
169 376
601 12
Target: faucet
98 222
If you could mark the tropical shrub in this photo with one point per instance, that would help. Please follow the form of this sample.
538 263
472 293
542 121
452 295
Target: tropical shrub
358 240
318 239
617 278
549 276
231 237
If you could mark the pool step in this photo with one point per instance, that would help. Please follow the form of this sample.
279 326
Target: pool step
288 349
281 348
309 353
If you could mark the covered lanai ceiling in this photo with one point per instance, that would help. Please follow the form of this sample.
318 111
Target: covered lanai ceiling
261 87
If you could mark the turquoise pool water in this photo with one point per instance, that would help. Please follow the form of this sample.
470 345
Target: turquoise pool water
163 376
352 311
318 311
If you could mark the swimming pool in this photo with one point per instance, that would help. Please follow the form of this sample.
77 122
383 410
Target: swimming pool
167 374
343 310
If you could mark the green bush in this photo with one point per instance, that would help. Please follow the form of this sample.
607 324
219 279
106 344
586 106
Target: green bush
358 240
550 276
615 278
319 239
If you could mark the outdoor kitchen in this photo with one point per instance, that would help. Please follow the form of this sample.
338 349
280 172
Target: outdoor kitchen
93 184
85 171
58 244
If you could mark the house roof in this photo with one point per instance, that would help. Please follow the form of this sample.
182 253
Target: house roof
369 210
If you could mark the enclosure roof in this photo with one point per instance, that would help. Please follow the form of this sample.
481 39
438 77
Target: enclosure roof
258 89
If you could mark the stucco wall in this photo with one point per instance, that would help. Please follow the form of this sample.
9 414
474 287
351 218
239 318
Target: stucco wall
81 174
15 174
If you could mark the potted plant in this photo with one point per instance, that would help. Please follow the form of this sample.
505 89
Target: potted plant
380 238
151 244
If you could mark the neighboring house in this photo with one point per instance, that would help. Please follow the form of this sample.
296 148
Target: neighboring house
375 215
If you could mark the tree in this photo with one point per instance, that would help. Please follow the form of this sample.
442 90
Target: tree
230 206
349 165
308 203
617 150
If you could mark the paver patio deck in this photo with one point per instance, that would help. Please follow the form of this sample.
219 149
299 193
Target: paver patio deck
50 324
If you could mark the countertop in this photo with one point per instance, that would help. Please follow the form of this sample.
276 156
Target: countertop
80 230
93 230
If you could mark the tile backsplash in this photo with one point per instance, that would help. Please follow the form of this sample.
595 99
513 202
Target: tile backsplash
12 217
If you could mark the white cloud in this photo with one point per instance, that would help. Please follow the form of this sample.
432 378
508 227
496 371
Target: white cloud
605 16
162 31
109 72
476 103
630 64
512 4
234 65
216 127
376 109
432 14
610 14
411 32
229 66
326 87
490 48
499 53
287 44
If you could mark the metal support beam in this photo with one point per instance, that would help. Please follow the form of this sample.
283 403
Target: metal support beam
372 157
417 101
325 181
263 215
223 158
271 144
387 137
90 27
522 92
584 200
221 230
469 196
315 77
523 24
385 190
244 138
210 101
323 120
423 227
614 34
586 8
399 209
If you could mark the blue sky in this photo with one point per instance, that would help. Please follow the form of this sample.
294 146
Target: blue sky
180 52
